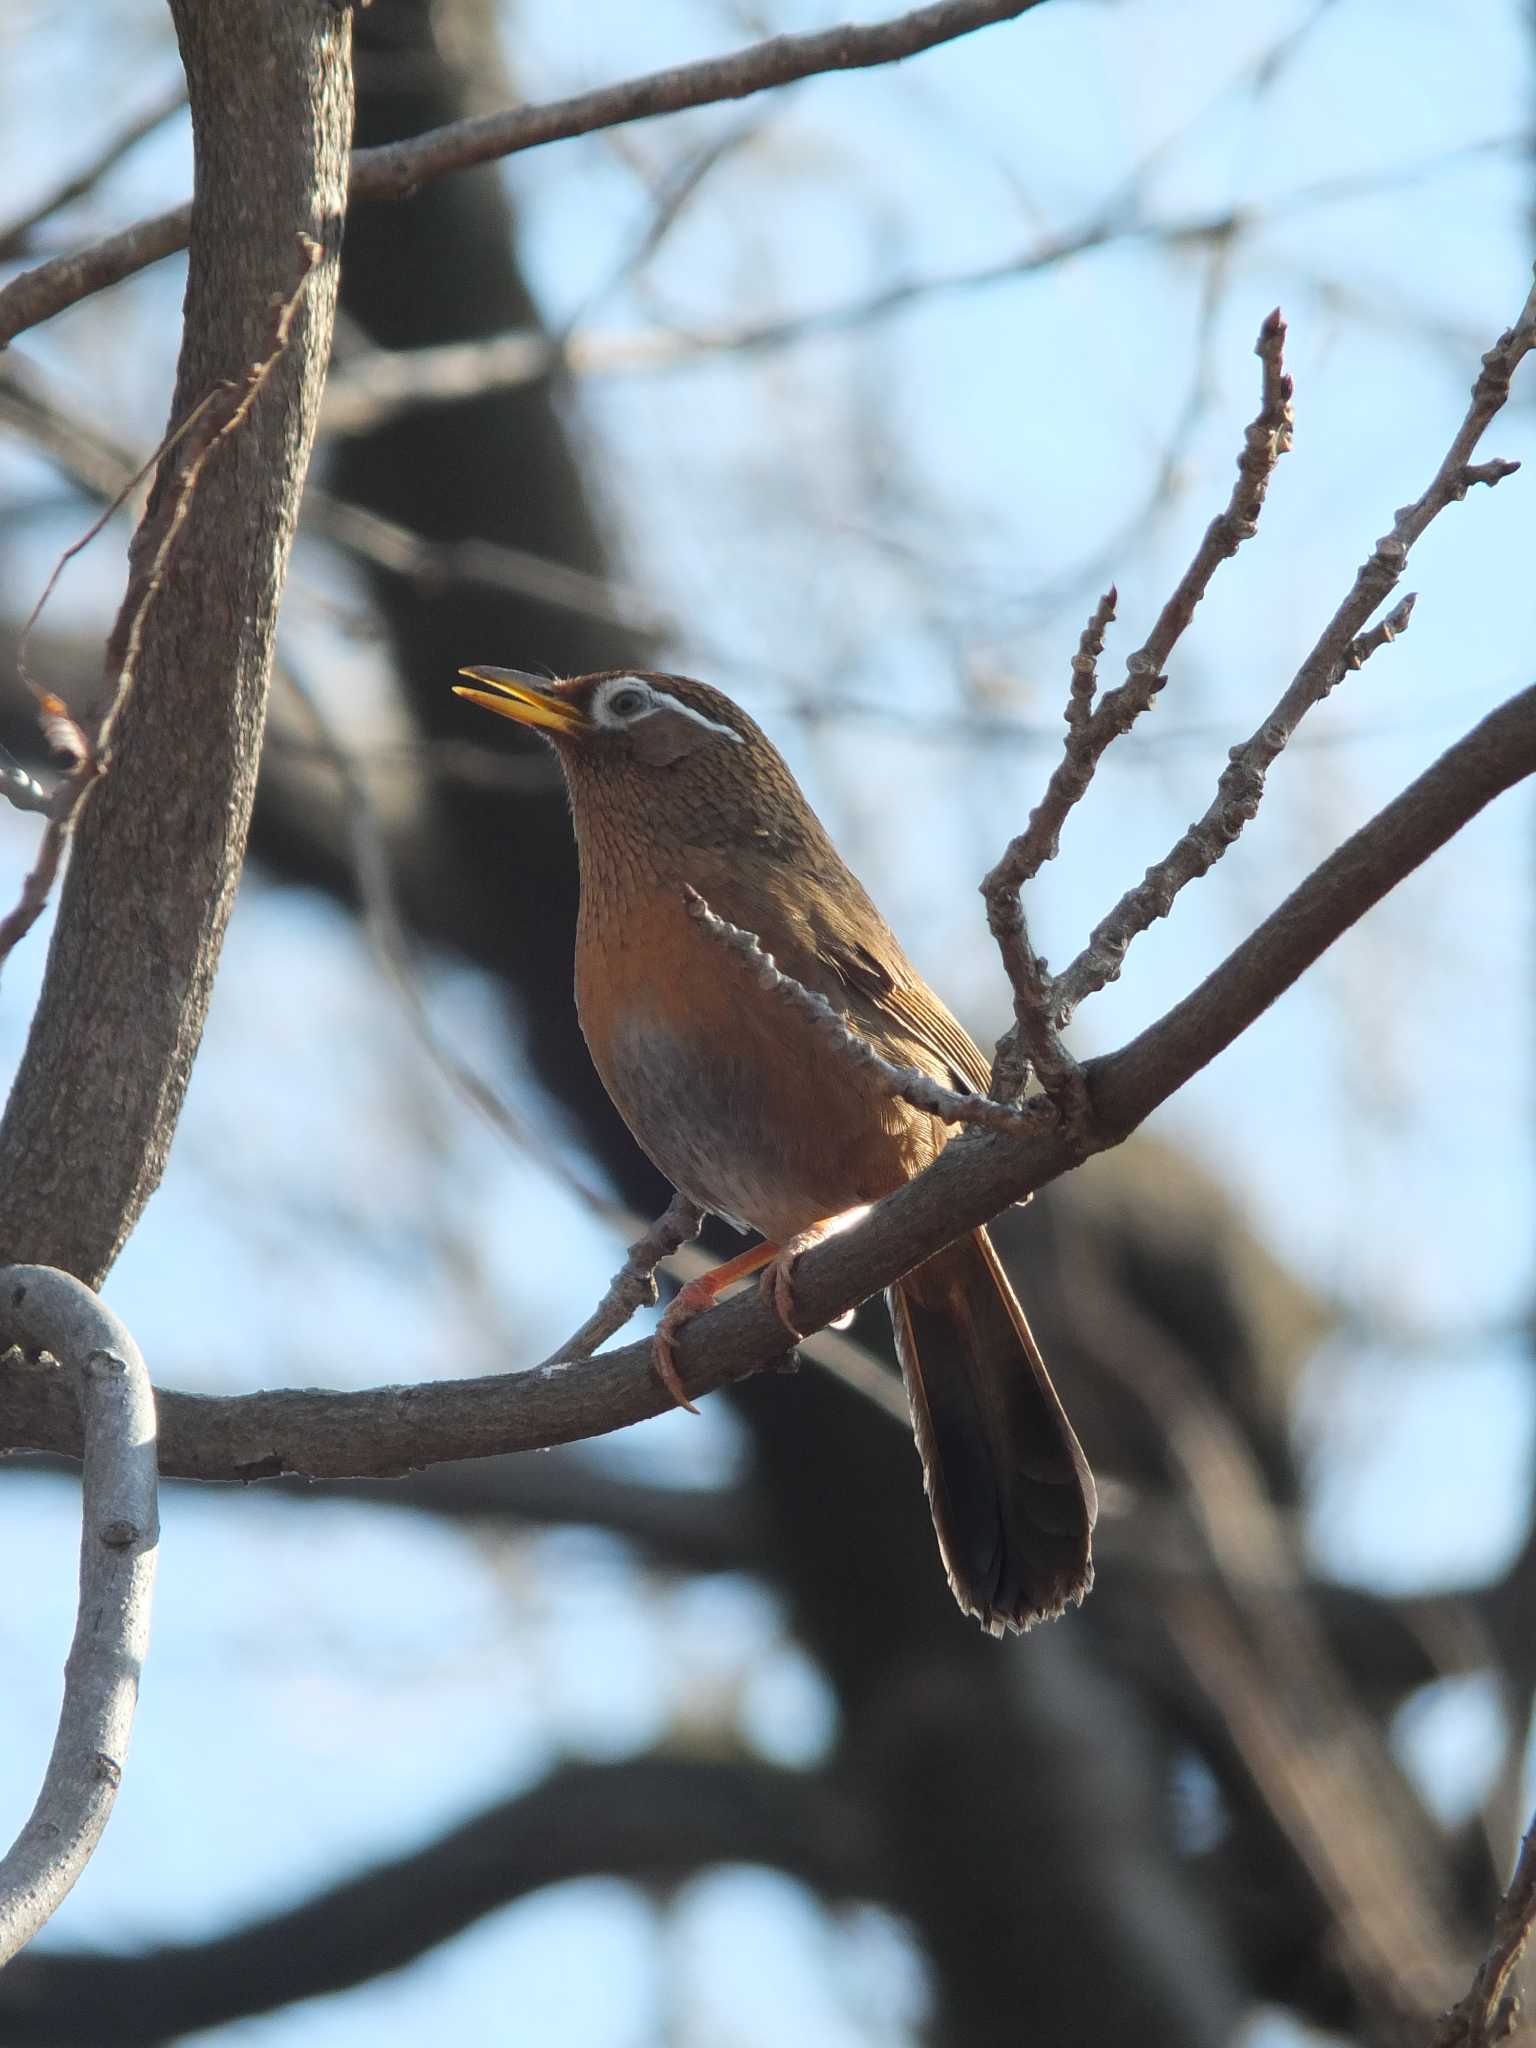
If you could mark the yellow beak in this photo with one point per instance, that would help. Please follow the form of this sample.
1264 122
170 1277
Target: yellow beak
528 700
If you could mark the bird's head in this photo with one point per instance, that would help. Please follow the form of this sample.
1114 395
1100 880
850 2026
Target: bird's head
653 753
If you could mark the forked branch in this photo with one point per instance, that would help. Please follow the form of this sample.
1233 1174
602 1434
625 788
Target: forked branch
1343 645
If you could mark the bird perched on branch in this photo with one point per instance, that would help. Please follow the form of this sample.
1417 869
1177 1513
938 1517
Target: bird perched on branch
678 795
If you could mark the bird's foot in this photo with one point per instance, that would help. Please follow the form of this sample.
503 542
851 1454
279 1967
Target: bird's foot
692 1299
778 1281
683 1307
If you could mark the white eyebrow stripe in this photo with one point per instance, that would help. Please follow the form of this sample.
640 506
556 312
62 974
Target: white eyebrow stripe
658 699
709 724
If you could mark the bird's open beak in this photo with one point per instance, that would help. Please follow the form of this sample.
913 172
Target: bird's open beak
530 700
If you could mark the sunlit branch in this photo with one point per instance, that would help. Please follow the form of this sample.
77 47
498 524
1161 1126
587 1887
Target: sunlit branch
68 1333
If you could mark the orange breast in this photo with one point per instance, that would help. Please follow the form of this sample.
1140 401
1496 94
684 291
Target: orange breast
725 1086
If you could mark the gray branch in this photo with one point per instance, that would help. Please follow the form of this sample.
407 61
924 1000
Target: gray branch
47 1312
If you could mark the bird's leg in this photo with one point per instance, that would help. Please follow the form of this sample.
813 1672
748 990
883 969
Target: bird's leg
778 1282
690 1300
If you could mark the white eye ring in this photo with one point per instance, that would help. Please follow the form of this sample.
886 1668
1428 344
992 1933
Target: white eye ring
628 701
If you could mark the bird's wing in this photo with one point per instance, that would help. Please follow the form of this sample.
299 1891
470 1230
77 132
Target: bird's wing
882 978
832 938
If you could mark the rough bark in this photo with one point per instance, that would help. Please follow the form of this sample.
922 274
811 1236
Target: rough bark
159 845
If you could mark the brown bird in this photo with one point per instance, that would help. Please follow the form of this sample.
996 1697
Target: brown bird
733 1096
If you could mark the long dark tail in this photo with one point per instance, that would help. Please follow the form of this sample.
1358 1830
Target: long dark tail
1012 1497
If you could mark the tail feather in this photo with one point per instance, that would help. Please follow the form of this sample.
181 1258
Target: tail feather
1012 1497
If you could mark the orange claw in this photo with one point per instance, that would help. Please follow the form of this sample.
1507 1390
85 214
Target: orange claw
691 1300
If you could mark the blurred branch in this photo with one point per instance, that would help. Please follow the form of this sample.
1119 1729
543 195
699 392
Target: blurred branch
372 387
387 1431
653 1819
51 1313
15 237
1251 1636
157 851
105 469
396 169
433 563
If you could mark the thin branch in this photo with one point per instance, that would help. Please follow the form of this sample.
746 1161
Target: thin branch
79 184
386 1431
1343 645
908 1084
433 563
397 169
1092 728
51 1313
1485 2014
634 1285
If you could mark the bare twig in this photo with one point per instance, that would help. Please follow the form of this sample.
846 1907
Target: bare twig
1092 728
634 1285
1034 1040
1484 2015
1343 645
45 1311
397 169
909 1084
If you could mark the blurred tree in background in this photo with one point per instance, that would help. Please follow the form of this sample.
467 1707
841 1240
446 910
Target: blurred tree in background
849 399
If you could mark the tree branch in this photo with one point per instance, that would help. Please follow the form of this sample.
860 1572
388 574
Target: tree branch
386 1431
1483 2015
652 1819
396 169
158 848
52 1313
1343 645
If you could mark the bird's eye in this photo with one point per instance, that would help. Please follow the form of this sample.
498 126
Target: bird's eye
627 703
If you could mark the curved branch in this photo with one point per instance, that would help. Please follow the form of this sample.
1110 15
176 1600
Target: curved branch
653 1818
396 169
50 1311
383 1432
